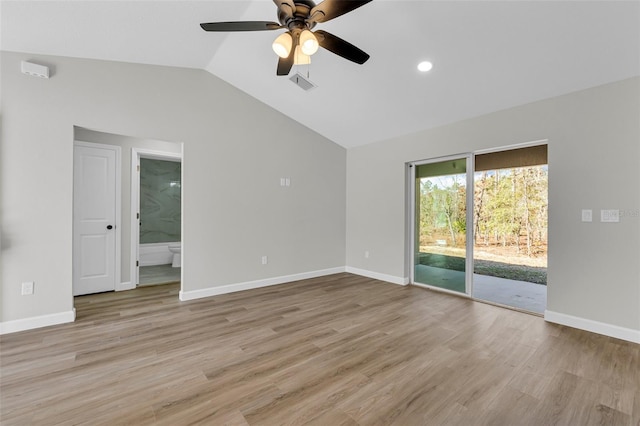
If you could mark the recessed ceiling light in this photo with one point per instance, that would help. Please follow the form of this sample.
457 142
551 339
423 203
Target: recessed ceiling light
425 66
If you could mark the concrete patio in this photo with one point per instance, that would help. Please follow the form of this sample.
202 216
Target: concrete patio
518 294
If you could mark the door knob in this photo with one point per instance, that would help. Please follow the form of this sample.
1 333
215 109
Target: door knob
109 227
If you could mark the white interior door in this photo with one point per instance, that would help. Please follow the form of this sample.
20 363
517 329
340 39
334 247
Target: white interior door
95 206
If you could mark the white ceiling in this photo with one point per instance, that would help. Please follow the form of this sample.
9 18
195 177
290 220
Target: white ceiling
487 55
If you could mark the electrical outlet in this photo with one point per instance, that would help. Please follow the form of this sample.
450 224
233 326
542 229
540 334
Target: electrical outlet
366 254
265 260
27 288
587 215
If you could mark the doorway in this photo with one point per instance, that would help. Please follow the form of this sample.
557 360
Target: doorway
156 212
510 228
127 149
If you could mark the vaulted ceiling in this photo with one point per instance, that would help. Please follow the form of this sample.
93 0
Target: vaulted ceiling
487 55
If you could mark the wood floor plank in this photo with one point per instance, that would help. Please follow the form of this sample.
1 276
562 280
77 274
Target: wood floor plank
337 350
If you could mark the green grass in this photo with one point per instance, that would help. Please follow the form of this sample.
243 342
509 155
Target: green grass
485 267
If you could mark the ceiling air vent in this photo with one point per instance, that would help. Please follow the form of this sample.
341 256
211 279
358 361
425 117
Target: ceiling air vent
302 82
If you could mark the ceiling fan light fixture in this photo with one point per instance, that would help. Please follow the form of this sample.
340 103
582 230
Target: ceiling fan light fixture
308 43
299 58
282 45
297 18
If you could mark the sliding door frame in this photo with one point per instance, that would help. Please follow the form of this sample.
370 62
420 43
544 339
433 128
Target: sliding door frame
411 217
469 171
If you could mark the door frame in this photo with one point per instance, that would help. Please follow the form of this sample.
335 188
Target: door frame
118 213
136 155
469 159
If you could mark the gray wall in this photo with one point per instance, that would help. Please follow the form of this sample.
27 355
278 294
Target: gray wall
235 211
234 208
593 138
159 201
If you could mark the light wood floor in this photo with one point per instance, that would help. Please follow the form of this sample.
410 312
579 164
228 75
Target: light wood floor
338 350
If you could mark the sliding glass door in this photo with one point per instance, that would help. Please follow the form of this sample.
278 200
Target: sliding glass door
480 225
442 253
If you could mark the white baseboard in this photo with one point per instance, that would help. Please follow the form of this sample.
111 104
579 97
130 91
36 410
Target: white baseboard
14 326
215 291
378 276
605 329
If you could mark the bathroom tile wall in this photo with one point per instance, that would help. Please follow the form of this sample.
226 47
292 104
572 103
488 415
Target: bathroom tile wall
160 187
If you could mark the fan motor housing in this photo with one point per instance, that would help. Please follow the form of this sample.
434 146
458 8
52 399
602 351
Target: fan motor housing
303 9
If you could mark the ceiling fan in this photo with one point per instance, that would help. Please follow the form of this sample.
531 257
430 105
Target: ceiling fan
298 43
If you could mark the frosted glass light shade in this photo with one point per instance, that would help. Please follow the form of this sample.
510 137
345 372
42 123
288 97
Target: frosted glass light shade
282 45
308 43
299 58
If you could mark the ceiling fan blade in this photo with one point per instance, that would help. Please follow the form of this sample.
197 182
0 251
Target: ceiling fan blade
285 64
286 8
330 9
340 47
241 26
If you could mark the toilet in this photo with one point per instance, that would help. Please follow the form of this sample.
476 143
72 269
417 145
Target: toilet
176 249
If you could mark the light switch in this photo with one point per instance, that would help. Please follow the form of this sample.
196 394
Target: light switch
285 181
587 215
609 215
